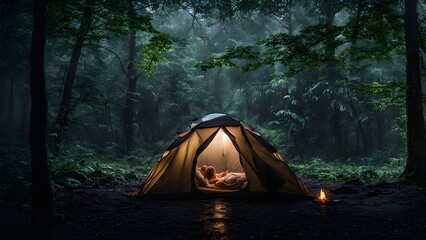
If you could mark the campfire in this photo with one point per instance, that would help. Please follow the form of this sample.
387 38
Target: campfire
322 198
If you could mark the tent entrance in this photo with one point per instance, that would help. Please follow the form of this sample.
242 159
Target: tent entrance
225 160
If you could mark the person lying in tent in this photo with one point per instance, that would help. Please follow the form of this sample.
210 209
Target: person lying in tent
210 174
228 180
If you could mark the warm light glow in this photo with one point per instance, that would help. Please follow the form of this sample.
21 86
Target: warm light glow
215 219
165 154
278 156
224 137
183 134
322 197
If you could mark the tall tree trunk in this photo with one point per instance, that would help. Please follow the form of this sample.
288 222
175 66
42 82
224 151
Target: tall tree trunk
264 112
66 107
157 121
416 142
247 97
337 131
330 73
380 122
352 73
129 111
148 117
217 90
358 120
42 200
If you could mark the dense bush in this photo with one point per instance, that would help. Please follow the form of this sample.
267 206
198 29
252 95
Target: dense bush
82 166
79 166
365 170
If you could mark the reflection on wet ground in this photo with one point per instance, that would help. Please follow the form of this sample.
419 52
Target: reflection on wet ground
215 219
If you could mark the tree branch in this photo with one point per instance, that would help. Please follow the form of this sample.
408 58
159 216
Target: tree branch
116 55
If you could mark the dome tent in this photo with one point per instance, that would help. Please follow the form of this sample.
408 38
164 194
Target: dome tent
227 144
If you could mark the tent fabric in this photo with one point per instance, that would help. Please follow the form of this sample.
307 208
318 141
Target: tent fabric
224 142
221 153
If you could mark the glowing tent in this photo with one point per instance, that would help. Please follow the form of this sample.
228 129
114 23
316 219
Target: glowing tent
221 141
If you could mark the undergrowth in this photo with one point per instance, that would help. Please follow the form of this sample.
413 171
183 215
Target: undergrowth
78 166
87 166
83 166
365 170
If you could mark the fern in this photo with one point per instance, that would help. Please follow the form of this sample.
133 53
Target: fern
362 169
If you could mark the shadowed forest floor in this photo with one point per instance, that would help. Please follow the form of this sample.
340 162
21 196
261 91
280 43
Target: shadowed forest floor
380 212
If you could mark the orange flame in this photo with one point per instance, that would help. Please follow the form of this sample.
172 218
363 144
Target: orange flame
322 197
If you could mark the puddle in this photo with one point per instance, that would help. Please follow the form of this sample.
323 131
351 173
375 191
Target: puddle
215 219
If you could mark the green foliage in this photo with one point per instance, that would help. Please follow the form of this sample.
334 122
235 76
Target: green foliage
367 170
374 35
106 18
308 49
225 60
118 22
318 69
390 94
80 166
215 61
152 53
73 174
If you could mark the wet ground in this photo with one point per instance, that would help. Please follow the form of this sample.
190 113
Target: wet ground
382 212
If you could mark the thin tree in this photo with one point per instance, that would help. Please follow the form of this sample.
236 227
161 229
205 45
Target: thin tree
152 55
65 107
132 76
416 141
42 200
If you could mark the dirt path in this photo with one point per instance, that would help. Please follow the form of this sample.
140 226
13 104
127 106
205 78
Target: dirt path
383 212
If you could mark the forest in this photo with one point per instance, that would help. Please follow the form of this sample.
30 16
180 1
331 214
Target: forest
93 92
